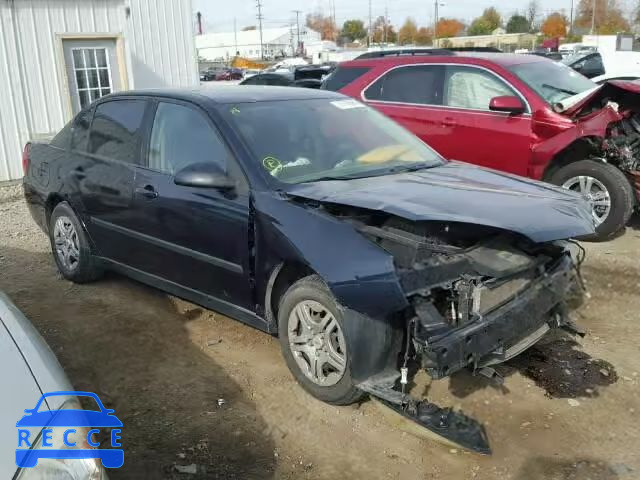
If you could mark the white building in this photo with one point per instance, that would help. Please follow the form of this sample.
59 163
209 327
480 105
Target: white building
59 55
276 42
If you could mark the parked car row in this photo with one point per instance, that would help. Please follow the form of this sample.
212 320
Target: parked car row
520 114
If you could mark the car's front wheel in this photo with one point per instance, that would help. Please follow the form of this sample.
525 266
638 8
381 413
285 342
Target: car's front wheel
607 190
311 331
70 246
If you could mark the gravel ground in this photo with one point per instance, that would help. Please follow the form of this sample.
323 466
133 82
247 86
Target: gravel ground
567 410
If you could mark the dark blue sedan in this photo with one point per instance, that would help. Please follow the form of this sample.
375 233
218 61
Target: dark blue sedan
308 215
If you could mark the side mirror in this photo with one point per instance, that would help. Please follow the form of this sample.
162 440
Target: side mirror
204 175
507 103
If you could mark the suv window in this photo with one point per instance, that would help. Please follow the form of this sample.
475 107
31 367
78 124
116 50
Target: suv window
80 131
115 130
342 77
420 84
182 136
469 87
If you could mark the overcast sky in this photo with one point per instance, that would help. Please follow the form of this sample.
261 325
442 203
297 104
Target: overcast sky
219 14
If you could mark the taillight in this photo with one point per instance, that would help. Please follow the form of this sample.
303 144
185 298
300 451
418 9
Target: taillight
25 158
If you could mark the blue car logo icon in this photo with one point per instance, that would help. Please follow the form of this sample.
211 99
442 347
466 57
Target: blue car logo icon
68 419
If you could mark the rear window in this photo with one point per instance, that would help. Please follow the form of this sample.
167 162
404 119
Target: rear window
342 77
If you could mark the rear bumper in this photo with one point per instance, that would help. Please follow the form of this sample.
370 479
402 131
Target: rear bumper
493 336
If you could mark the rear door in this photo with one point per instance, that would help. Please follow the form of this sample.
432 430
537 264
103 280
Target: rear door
195 237
412 96
478 135
104 159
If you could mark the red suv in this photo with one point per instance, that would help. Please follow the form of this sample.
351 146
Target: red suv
521 114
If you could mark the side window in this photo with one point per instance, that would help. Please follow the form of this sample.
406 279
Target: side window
469 87
594 63
182 136
80 133
115 130
419 84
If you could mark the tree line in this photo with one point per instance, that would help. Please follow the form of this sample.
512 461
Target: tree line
609 18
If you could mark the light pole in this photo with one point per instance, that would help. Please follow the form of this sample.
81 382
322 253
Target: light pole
436 4
297 12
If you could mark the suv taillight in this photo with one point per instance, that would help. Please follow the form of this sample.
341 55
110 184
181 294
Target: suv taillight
25 158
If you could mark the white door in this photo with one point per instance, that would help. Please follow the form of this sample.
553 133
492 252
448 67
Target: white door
92 70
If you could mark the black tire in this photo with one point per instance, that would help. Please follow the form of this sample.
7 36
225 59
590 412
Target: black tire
344 392
618 186
87 267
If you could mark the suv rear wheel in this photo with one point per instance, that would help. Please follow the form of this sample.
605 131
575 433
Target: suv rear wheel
606 188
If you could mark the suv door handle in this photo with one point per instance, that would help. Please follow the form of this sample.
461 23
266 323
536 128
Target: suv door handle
148 191
449 122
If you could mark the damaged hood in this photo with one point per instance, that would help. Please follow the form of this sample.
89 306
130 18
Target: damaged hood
458 192
623 93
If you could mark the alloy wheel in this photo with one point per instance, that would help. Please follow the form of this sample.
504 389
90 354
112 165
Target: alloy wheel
317 343
65 238
595 193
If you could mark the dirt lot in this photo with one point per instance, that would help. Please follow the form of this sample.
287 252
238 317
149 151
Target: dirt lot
566 411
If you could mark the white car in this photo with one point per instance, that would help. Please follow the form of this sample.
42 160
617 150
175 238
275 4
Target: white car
601 66
28 370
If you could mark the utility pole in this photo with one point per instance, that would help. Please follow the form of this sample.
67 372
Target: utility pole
571 19
593 18
297 12
435 23
370 26
384 28
260 17
235 36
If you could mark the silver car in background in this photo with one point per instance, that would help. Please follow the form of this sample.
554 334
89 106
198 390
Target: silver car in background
28 368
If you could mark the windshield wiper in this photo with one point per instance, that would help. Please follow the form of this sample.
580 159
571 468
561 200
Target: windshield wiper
558 89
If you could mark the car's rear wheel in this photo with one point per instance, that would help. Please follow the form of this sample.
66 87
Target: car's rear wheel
607 190
70 246
313 343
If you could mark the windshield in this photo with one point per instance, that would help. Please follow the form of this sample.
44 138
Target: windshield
553 81
299 141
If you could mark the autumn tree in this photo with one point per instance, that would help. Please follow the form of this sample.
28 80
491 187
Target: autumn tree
383 31
323 24
485 23
353 30
517 24
609 18
424 36
448 27
408 32
555 25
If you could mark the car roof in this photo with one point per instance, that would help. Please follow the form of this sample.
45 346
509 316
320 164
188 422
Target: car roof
503 59
227 94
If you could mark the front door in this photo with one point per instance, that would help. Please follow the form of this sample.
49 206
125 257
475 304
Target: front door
92 70
478 135
195 237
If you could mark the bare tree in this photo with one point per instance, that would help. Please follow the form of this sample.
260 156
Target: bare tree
532 13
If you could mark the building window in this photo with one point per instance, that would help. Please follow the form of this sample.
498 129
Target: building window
93 75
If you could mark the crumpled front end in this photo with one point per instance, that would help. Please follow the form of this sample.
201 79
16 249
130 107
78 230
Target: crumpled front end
621 147
478 295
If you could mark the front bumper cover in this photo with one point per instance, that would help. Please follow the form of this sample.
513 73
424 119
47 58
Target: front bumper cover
494 334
